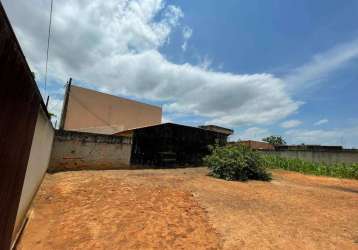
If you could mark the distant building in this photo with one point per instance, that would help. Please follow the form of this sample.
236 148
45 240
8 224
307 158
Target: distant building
90 111
257 145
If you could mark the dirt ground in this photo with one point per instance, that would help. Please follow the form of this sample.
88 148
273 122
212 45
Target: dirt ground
186 209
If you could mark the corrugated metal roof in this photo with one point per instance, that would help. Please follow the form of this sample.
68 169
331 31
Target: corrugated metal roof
165 124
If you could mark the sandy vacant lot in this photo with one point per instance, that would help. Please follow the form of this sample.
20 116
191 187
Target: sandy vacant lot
186 209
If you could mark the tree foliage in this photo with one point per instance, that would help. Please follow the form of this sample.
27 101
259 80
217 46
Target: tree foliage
236 163
275 140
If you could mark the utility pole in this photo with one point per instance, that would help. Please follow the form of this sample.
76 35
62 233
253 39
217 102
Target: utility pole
48 98
65 103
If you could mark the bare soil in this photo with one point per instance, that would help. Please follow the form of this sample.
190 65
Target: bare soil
186 209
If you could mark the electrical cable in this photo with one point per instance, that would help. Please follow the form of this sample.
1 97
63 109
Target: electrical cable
48 46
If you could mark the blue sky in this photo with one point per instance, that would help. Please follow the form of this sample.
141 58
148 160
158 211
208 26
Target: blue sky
260 67
276 37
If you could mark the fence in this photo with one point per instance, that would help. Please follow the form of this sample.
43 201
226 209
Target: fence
20 102
329 157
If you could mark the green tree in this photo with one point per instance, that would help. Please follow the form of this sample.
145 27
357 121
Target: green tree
275 140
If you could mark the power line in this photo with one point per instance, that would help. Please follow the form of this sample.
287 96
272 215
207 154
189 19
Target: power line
48 44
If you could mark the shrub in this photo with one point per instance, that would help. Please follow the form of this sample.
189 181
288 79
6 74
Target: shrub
340 170
236 163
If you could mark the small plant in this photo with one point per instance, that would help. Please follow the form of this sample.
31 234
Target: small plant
340 170
236 163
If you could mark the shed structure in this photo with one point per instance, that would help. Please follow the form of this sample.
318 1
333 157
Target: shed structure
171 144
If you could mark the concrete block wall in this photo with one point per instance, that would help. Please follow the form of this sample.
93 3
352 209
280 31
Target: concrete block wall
329 157
78 150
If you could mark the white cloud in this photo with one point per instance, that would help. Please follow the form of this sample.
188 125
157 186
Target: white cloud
187 33
55 107
205 62
347 137
253 133
321 66
320 122
114 44
104 29
166 119
229 99
290 123
173 14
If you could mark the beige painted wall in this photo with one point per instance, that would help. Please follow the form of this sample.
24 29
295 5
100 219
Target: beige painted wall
77 150
95 112
37 165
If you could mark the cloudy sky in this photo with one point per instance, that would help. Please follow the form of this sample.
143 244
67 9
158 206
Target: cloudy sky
286 68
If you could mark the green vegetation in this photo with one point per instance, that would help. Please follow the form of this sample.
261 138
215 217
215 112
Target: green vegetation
340 170
241 163
236 163
275 140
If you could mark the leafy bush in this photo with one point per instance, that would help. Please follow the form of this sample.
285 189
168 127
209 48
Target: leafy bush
340 170
236 163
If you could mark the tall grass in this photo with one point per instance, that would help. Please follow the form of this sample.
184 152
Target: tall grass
340 170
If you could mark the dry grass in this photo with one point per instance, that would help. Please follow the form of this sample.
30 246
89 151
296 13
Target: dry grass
185 209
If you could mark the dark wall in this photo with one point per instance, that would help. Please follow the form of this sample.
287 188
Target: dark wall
19 106
172 144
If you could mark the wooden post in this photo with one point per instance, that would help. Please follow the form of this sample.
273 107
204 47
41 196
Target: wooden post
64 106
48 98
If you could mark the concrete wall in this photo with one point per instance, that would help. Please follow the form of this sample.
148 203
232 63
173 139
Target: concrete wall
78 150
95 112
346 156
37 165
